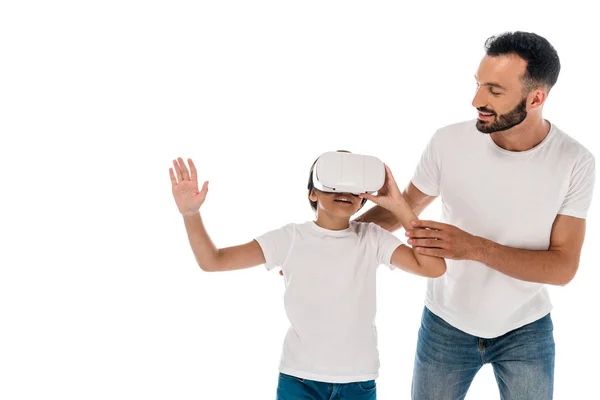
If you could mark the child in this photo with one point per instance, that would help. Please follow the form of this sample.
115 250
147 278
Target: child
329 265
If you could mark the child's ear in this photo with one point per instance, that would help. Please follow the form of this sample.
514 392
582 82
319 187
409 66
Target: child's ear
312 195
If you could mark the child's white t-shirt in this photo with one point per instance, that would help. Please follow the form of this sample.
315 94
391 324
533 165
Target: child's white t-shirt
330 297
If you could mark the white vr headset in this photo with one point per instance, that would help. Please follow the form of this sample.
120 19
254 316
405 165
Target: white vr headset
337 172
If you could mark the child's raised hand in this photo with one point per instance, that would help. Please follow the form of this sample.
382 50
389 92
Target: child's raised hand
185 187
389 194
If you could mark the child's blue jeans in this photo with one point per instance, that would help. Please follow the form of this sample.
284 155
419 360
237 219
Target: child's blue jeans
292 388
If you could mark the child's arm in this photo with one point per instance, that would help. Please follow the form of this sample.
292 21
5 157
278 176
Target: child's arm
405 257
212 259
189 200
409 259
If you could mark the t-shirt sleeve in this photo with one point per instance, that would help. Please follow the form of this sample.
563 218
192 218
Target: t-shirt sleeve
427 174
581 187
386 243
276 245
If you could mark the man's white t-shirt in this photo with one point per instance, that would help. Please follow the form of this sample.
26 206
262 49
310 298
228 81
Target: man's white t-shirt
330 297
511 198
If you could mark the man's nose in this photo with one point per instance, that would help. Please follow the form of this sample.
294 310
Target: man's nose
479 99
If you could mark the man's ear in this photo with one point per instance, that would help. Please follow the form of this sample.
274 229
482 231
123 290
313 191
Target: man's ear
536 99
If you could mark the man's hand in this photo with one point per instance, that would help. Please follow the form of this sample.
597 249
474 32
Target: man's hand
443 240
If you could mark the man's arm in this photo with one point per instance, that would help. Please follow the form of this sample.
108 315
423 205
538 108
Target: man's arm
416 199
555 266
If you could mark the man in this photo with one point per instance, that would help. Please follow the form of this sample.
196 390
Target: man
515 190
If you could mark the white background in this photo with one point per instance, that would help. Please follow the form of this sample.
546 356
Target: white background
100 297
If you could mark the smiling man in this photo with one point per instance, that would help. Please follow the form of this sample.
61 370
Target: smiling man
516 190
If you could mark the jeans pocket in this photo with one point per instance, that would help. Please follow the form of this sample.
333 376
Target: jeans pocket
286 376
366 385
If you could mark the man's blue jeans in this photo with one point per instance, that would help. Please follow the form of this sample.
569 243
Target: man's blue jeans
447 360
292 388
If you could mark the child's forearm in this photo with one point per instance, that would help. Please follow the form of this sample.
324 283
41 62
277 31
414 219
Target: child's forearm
405 215
382 217
203 248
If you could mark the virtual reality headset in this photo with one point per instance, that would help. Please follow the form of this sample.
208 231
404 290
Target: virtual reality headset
337 172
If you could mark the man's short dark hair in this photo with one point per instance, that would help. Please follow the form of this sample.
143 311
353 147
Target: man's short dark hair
543 64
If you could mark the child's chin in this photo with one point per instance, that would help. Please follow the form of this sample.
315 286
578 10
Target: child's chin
346 213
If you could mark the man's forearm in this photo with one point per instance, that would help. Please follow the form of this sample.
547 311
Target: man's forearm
543 266
203 248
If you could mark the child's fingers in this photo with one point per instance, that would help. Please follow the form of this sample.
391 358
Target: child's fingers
368 196
204 189
184 170
389 174
178 171
172 175
193 172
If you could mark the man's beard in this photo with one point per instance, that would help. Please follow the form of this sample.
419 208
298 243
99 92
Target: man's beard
504 121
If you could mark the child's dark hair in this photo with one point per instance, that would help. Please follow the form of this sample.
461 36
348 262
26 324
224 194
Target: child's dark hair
543 64
311 184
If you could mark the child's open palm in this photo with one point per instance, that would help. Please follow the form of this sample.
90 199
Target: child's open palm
185 187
